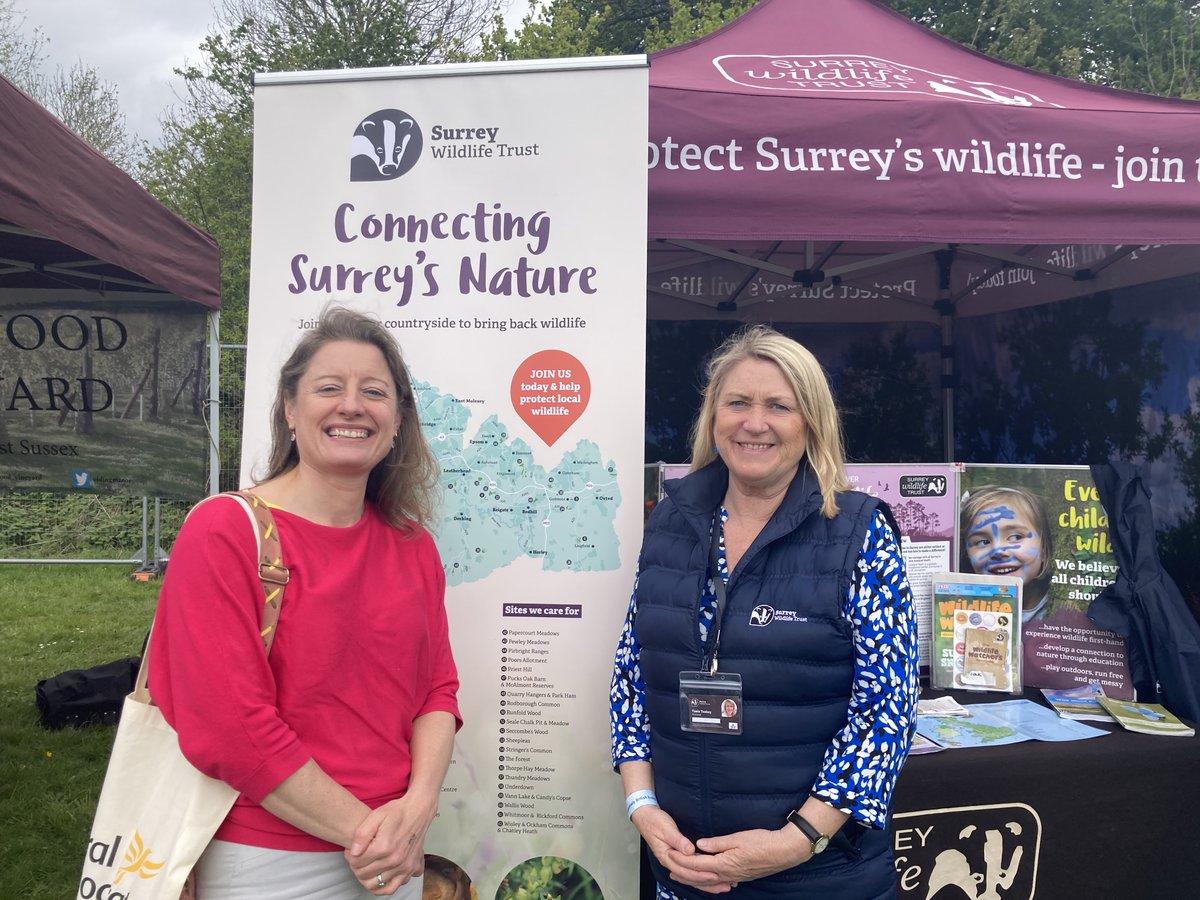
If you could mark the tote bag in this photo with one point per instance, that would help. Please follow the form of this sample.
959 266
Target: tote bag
157 812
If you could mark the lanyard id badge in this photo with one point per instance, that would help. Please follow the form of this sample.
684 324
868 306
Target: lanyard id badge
710 702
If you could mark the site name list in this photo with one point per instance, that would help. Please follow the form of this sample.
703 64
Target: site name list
476 274
1013 159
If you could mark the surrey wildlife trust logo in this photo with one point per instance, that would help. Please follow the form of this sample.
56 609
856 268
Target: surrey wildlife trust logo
136 862
923 485
385 145
762 615
838 73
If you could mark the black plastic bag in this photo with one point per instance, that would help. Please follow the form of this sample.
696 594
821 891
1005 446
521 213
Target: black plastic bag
87 696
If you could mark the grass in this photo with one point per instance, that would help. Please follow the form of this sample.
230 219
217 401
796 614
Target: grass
54 618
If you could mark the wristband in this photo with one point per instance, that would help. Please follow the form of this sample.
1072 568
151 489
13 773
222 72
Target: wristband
639 799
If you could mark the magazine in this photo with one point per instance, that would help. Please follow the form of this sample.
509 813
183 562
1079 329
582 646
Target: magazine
1147 718
1082 702
941 706
977 632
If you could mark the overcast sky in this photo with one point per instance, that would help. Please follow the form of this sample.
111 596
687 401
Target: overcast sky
135 44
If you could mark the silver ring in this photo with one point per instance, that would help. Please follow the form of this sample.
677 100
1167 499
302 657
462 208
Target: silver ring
379 880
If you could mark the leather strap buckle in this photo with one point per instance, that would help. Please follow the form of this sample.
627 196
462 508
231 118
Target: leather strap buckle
274 573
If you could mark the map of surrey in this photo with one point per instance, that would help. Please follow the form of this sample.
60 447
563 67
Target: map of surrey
499 505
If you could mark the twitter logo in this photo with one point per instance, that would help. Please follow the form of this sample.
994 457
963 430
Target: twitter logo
81 479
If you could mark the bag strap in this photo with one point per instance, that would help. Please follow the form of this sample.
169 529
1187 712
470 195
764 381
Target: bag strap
272 574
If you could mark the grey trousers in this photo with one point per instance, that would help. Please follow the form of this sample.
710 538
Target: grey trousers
239 872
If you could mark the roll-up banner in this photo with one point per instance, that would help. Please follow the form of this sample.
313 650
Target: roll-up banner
493 216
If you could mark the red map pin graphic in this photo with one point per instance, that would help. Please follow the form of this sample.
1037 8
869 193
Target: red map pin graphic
550 390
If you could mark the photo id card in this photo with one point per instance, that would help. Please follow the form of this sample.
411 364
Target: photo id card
710 702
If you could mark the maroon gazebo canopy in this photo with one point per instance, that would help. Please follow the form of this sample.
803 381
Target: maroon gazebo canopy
841 158
70 219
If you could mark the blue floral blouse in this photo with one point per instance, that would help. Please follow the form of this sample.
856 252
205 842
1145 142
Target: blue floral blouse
861 765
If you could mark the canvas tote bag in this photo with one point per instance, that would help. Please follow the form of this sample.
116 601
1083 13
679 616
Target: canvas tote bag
157 812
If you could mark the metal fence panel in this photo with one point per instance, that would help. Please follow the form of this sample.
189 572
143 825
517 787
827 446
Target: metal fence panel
86 527
81 527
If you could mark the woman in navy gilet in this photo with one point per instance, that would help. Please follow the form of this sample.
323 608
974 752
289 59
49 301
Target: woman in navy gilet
765 685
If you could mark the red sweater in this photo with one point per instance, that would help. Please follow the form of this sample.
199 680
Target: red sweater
361 650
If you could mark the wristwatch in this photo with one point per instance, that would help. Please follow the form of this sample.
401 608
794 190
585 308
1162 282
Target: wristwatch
819 841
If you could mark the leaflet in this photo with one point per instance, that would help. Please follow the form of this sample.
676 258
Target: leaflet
977 636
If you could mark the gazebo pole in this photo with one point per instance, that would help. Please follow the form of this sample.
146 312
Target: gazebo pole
214 402
945 308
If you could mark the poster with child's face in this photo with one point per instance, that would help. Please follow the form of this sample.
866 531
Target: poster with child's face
1046 526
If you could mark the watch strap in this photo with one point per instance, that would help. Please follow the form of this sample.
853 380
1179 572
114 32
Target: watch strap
819 841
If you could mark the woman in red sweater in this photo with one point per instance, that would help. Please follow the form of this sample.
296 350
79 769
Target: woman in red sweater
338 741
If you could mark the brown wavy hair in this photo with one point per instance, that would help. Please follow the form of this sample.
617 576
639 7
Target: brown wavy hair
403 485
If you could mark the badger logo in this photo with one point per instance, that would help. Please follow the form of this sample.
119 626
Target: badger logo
762 615
386 144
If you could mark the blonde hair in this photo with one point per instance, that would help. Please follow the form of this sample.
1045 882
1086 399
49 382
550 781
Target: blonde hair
403 485
814 401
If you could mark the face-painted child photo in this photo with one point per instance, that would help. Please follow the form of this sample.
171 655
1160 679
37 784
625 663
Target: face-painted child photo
1005 531
1046 526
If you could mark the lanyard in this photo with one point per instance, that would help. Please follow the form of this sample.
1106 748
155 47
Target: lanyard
719 587
714 640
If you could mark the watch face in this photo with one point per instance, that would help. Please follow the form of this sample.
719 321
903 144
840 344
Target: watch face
820 844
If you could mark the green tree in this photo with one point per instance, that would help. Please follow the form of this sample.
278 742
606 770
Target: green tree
1186 445
885 380
1045 36
91 107
1076 391
689 21
1179 544
250 36
1150 45
1161 53
78 96
676 355
567 28
22 51
202 166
